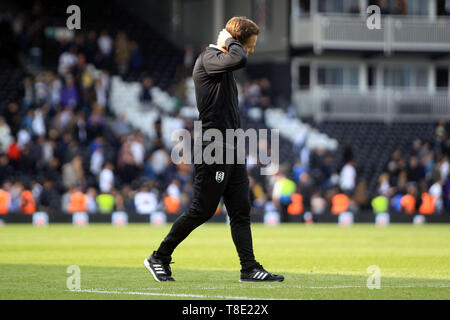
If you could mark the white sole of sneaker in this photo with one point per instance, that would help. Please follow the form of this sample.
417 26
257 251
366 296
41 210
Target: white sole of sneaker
147 265
253 281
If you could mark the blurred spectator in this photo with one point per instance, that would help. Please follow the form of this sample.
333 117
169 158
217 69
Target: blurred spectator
444 167
146 97
119 201
101 93
355 9
298 169
27 202
105 203
23 138
55 91
307 188
128 171
72 173
80 128
302 9
440 135
40 90
91 47
360 195
6 170
106 178
340 203
145 200
137 149
348 151
258 197
97 160
296 206
13 154
172 198
49 198
69 95
318 204
409 201
37 39
28 98
67 60
5 199
157 164
38 123
122 53
120 126
436 191
447 193
95 124
13 117
128 195
348 177
78 201
16 192
105 44
427 203
383 184
79 43
5 135
174 189
380 204
136 57
415 171
283 189
384 8
400 7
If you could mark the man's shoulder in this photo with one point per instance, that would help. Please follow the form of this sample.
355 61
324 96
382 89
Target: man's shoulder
211 50
199 68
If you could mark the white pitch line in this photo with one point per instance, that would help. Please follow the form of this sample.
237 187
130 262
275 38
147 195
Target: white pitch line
202 296
333 287
390 287
171 294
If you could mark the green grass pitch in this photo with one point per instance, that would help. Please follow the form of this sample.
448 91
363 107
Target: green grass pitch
322 261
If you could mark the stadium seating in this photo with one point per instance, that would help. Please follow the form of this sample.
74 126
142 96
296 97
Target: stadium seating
373 144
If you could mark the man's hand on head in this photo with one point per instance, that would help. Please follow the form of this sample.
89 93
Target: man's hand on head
222 38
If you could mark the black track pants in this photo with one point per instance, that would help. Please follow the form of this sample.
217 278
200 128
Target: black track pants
209 186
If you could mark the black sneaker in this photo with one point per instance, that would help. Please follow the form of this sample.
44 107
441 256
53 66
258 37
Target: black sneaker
259 274
159 268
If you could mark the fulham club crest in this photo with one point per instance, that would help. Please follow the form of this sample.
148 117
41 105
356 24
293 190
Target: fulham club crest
219 176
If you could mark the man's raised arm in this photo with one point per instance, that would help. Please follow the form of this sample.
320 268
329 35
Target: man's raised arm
219 62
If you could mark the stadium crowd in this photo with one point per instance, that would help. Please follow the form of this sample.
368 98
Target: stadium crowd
62 150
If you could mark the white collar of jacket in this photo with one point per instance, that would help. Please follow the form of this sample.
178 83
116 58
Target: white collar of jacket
215 46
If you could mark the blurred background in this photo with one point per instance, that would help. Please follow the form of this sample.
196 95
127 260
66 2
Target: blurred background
86 115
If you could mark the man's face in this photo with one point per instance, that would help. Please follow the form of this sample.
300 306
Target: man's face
249 46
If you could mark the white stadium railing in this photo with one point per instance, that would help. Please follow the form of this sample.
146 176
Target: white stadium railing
387 105
397 33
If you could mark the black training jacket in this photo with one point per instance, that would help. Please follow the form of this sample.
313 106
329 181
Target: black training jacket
215 86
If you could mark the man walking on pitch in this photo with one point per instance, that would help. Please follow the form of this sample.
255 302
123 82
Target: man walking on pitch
217 102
